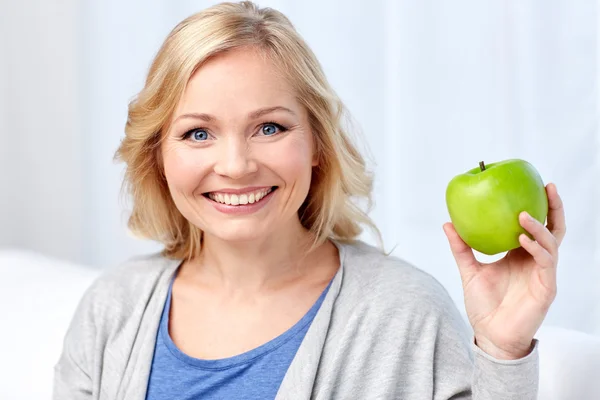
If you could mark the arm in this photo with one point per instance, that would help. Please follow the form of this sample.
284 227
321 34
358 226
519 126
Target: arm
505 379
72 373
463 371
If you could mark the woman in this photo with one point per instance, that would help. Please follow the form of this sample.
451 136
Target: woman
238 164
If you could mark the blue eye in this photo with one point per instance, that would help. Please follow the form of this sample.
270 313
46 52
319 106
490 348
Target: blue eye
270 129
197 135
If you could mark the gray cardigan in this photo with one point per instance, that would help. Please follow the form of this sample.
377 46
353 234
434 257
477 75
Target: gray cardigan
386 330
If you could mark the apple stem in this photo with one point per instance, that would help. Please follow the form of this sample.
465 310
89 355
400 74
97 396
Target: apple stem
482 165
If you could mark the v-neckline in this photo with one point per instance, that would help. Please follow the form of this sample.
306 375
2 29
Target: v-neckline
300 376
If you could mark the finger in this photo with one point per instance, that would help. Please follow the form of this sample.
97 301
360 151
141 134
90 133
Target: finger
540 233
546 267
463 254
556 213
541 256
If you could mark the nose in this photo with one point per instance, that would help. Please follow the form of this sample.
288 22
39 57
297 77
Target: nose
235 159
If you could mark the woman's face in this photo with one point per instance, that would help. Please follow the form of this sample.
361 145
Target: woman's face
239 153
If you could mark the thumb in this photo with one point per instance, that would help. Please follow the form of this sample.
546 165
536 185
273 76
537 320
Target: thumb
463 254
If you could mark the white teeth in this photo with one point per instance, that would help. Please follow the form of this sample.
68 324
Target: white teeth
234 199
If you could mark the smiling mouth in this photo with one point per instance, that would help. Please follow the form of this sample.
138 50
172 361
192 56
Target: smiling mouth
233 199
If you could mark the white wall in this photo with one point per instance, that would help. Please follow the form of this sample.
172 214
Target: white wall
435 88
119 39
6 222
41 136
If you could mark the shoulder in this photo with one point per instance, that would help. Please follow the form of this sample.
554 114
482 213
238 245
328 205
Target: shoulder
111 311
391 284
136 272
124 286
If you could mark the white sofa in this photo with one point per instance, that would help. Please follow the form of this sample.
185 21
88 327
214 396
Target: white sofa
38 296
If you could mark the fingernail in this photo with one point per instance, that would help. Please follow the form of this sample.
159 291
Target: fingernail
526 238
527 216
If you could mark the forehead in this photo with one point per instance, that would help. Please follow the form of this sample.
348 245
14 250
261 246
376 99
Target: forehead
237 80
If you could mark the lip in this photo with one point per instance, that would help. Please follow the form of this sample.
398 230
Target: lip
240 191
242 209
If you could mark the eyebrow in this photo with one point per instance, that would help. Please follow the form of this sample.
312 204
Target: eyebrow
253 115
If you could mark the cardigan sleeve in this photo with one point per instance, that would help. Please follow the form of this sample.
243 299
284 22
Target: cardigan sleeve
72 372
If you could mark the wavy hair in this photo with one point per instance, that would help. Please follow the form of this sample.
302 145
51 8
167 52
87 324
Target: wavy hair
339 181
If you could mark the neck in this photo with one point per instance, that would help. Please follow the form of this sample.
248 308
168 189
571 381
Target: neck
258 264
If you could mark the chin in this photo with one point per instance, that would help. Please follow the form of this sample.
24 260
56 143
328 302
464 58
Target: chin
239 232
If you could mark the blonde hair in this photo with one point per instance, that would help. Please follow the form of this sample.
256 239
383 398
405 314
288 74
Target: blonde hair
338 180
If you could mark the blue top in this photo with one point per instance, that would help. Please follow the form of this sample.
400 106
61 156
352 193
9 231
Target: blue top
256 374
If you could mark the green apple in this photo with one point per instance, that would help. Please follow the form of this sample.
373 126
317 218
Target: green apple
485 202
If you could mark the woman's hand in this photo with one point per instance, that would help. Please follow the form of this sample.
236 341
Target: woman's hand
506 301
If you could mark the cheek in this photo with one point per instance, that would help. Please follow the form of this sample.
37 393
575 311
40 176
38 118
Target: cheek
183 168
292 158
